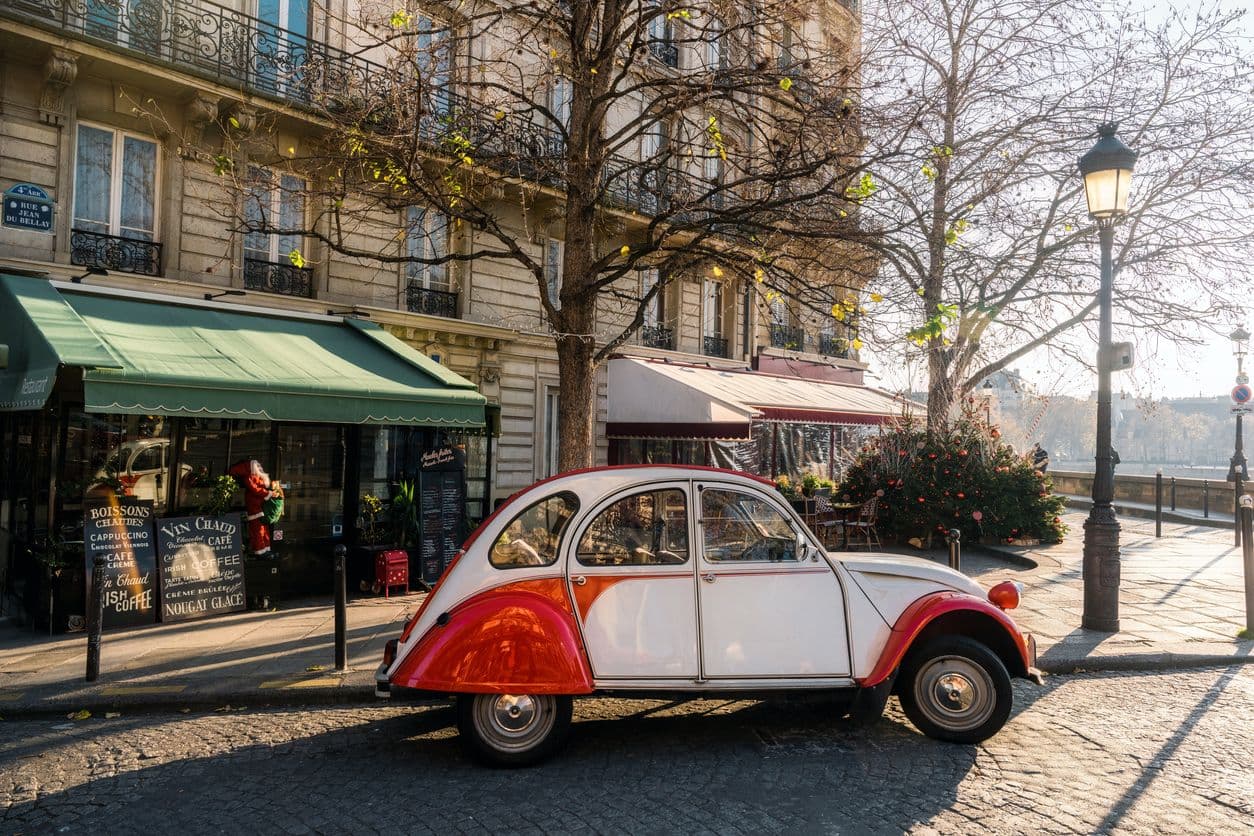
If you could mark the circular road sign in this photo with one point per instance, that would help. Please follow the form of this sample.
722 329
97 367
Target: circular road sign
1242 393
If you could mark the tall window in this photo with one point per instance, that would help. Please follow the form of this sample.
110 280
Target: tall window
779 310
554 250
275 201
427 238
560 95
712 308
115 183
715 47
435 63
655 311
653 152
661 36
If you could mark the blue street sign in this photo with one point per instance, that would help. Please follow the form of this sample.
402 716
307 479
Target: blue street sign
26 206
1242 393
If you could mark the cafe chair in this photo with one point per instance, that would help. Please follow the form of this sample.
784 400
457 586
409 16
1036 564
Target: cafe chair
862 530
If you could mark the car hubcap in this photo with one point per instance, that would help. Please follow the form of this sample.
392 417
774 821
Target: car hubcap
955 693
514 722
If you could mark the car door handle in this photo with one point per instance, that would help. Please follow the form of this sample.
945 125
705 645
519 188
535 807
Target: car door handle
578 579
708 578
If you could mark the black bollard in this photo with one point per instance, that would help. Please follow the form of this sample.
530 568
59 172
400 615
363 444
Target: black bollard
95 618
1247 555
341 609
1206 498
1158 504
1173 493
954 539
1236 511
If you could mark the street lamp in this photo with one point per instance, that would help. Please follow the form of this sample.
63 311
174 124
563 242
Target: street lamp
988 402
1237 470
1107 172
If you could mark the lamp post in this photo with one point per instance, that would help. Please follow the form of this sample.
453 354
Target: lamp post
1107 172
988 402
1237 470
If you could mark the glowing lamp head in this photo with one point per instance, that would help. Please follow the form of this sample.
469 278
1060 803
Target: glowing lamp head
1005 595
1107 172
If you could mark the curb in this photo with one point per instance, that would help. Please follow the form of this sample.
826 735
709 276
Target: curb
58 706
1141 662
1083 503
1008 555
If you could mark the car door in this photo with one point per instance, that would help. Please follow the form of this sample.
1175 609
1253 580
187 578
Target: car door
767 607
631 576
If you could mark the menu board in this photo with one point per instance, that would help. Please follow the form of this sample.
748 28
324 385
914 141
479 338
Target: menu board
441 508
120 529
202 566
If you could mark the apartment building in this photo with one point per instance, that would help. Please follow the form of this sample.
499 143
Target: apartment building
137 136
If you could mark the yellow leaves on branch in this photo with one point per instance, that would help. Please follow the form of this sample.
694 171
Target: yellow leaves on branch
785 84
298 260
400 19
624 251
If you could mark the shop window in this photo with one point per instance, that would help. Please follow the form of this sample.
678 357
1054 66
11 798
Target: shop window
554 252
646 529
740 527
532 538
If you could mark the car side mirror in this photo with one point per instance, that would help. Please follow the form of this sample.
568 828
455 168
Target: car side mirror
803 549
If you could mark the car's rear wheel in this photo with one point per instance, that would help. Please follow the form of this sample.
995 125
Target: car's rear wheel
512 729
954 688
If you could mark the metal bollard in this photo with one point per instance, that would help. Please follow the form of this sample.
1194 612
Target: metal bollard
1206 499
95 617
341 609
954 539
1158 504
1173 493
1236 511
1247 554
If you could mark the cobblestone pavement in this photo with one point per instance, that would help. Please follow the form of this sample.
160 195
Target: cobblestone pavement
1102 752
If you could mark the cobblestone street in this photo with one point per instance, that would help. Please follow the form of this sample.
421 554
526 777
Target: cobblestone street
1151 752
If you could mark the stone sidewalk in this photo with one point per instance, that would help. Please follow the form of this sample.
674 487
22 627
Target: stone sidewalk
1181 597
1181 605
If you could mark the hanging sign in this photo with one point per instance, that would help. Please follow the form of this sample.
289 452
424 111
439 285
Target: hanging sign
1242 393
26 206
202 566
120 529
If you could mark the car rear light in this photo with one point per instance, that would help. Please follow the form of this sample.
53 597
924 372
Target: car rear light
389 652
1006 594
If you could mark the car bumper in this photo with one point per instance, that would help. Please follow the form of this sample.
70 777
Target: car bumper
382 685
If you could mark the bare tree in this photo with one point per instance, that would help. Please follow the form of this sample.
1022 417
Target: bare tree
648 135
987 250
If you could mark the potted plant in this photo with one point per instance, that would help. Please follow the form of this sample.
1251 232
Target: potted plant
374 535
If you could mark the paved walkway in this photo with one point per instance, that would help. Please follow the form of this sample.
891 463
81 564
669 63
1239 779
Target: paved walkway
1181 604
1181 597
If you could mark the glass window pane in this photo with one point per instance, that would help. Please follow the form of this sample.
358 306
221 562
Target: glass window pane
532 538
647 529
416 243
93 179
741 527
139 188
291 214
257 210
553 270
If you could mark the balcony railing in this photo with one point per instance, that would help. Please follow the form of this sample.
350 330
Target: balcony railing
424 300
833 346
277 277
114 252
658 336
787 336
208 40
712 346
665 51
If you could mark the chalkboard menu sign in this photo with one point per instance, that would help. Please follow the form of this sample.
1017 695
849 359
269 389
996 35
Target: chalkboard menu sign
202 566
120 529
441 508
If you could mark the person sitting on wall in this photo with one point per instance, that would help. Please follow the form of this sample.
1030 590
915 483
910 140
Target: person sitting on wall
1040 458
257 488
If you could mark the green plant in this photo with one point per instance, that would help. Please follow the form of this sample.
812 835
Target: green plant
222 497
404 513
785 486
809 484
964 477
372 522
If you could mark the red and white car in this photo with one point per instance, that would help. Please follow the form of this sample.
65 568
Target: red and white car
686 581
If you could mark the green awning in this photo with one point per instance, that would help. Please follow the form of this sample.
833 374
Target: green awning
144 356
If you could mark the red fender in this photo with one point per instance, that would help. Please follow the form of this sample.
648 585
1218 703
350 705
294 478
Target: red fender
921 613
519 638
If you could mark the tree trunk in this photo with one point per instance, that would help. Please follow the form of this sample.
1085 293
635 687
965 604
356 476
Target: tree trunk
576 405
940 392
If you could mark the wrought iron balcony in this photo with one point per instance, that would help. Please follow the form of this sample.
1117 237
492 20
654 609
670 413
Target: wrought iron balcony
424 300
787 336
115 252
832 346
208 40
277 277
658 336
714 346
665 51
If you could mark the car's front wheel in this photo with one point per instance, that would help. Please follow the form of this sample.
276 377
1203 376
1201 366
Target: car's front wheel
512 729
954 688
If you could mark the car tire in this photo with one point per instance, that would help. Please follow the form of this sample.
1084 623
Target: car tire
954 688
512 729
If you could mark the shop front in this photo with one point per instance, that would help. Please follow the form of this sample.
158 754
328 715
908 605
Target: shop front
767 424
174 413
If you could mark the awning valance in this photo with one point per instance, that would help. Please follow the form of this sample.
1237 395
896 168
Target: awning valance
649 398
167 356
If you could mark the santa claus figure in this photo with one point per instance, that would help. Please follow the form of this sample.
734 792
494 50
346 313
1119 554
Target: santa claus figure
257 488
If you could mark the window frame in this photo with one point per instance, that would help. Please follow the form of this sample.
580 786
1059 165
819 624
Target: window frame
116 164
712 297
422 274
274 206
573 504
637 491
655 311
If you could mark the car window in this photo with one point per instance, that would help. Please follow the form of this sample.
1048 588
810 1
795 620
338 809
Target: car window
532 537
645 529
146 460
741 527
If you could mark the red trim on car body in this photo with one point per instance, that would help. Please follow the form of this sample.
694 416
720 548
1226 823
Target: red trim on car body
926 610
